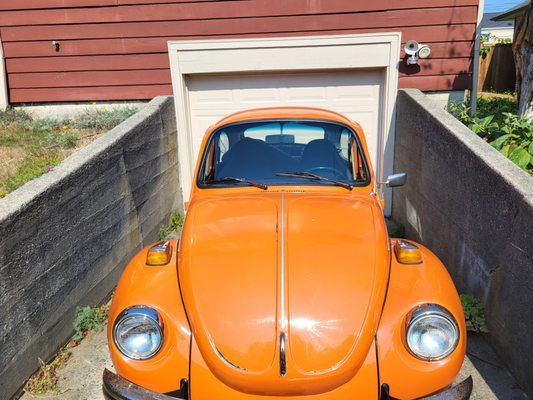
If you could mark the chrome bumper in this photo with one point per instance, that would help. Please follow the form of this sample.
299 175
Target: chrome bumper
461 391
117 388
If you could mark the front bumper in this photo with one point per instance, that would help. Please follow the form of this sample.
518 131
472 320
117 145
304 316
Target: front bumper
461 391
117 388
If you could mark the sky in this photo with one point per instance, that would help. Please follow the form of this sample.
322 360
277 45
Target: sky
500 5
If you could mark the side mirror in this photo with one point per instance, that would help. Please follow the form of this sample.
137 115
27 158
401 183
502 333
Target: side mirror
396 180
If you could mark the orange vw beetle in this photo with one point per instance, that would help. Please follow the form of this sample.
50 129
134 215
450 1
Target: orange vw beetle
285 283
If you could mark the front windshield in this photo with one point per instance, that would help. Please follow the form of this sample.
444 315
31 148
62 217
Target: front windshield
270 152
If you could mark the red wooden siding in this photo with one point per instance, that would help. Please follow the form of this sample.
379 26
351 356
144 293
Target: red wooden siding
117 49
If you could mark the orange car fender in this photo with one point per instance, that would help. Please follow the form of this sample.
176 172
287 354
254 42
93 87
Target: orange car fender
410 285
156 287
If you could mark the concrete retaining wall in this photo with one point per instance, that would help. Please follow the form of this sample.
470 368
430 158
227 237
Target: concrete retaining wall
474 209
66 236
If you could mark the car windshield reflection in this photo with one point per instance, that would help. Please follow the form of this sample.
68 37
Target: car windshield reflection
262 152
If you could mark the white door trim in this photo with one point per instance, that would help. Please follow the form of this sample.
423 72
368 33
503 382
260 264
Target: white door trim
310 53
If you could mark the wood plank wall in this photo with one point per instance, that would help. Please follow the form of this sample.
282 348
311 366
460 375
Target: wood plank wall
117 49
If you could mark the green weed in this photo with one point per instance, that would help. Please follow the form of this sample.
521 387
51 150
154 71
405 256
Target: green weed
398 232
45 380
497 123
89 319
173 227
474 313
101 118
14 118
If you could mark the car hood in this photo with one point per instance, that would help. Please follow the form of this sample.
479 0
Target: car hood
284 278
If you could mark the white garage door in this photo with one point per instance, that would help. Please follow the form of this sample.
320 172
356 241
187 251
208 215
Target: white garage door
355 94
356 75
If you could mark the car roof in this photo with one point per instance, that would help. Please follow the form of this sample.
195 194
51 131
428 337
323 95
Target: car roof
283 112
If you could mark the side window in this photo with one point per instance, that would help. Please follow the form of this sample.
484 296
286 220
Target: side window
345 142
209 165
357 162
223 145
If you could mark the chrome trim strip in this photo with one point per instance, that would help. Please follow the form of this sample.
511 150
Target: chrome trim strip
282 264
282 360
226 360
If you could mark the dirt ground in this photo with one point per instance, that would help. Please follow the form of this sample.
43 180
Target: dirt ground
81 377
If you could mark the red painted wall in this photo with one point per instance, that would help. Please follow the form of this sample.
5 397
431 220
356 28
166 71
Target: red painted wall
117 49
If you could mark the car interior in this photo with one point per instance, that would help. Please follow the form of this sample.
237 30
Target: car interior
258 151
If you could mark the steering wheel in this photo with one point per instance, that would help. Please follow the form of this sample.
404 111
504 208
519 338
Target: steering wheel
335 171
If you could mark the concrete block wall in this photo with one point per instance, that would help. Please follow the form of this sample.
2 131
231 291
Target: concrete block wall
66 236
474 209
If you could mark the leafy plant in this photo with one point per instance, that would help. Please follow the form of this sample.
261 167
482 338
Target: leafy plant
164 234
504 40
12 117
474 311
174 226
516 142
504 131
50 124
496 105
484 51
89 318
102 118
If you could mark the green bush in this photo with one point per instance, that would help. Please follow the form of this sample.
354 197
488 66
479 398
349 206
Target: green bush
496 106
516 141
101 118
12 117
51 124
503 130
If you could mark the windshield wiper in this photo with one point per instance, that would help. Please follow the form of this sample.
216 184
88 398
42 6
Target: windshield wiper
313 177
241 180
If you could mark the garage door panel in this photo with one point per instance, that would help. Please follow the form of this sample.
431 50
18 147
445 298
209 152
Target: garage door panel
355 94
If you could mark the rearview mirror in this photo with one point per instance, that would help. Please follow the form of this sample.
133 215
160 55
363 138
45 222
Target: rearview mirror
396 180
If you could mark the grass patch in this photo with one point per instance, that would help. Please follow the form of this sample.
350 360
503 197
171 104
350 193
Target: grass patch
45 380
89 319
36 146
173 228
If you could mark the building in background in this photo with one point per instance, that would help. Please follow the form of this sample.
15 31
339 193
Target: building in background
98 50
513 15
496 31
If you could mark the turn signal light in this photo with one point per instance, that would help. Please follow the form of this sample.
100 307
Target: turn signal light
407 253
159 254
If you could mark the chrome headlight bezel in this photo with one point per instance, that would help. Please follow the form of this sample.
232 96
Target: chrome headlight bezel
438 313
147 316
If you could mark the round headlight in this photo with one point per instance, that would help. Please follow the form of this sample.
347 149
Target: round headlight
432 332
138 332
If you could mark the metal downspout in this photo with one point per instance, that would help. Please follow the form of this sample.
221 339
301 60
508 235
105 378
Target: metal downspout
475 67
